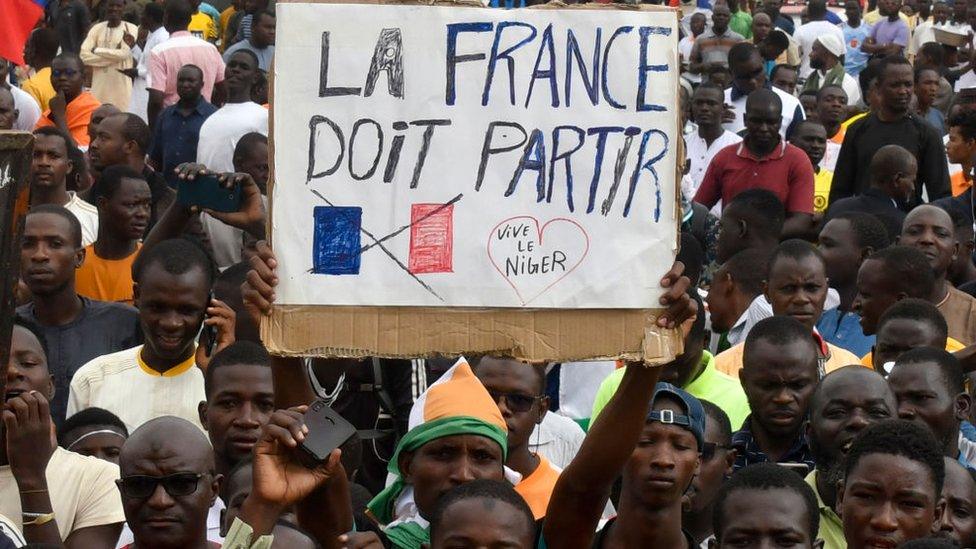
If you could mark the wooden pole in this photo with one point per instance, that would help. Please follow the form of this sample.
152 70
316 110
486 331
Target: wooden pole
15 160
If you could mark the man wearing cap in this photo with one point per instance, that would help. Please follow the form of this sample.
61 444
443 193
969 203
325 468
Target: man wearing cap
827 69
652 435
807 33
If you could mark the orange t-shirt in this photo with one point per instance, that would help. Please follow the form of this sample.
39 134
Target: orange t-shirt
106 279
536 489
78 114
959 183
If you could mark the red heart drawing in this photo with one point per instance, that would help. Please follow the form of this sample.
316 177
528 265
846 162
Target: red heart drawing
530 264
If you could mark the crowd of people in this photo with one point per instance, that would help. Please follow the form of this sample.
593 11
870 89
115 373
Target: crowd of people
825 290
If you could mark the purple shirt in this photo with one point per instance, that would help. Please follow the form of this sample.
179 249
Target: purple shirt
887 32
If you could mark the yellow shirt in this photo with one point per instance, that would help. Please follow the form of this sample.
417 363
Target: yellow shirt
106 279
40 88
873 17
224 21
952 346
821 190
729 361
203 26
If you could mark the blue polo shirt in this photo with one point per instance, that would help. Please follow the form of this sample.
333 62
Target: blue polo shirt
175 137
844 330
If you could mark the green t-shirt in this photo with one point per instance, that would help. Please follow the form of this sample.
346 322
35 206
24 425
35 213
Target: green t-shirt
720 389
741 22
831 527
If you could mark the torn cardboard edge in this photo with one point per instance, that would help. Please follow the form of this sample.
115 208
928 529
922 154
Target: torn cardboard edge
554 335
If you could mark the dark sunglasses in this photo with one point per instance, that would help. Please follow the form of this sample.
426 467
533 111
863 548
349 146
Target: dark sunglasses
143 486
516 402
66 72
709 449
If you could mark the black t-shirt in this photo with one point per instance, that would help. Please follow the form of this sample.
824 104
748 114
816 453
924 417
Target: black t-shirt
865 136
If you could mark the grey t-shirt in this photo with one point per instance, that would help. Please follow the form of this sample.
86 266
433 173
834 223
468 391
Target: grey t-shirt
100 329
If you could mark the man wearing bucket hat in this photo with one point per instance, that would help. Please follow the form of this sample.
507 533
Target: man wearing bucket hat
828 70
650 434
457 434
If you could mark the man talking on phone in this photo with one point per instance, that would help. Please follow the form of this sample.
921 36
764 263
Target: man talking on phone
172 282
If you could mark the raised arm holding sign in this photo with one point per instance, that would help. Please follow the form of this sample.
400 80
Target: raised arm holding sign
465 180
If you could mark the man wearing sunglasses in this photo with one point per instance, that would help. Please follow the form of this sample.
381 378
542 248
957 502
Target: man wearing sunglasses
717 459
169 482
845 402
518 389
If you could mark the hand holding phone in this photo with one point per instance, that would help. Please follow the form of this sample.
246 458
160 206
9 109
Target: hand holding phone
231 198
327 430
208 192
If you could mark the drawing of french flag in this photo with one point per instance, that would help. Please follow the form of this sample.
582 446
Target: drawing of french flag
17 20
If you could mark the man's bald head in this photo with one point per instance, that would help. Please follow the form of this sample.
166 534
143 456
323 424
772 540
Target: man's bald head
762 17
164 439
869 382
891 159
101 113
168 483
928 210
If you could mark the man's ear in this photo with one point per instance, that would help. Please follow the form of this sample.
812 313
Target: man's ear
135 292
765 289
50 388
955 250
865 252
404 461
730 461
963 406
202 412
79 257
543 409
215 486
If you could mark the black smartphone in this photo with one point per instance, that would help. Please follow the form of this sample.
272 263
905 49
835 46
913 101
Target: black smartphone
208 334
327 430
206 192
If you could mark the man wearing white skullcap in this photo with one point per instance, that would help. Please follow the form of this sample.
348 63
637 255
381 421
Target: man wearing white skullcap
828 68
818 25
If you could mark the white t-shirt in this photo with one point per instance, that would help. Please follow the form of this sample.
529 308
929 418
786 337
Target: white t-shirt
82 490
807 34
700 154
966 81
557 438
850 85
119 383
792 111
87 215
220 133
29 112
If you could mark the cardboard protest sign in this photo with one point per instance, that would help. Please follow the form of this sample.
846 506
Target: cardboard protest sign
15 159
505 175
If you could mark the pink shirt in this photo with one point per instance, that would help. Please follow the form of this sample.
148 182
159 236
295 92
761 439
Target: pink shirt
181 49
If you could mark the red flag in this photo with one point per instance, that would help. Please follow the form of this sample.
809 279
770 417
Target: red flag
17 20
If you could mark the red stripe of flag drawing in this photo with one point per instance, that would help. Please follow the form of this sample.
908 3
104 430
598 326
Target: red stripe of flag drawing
431 238
17 20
